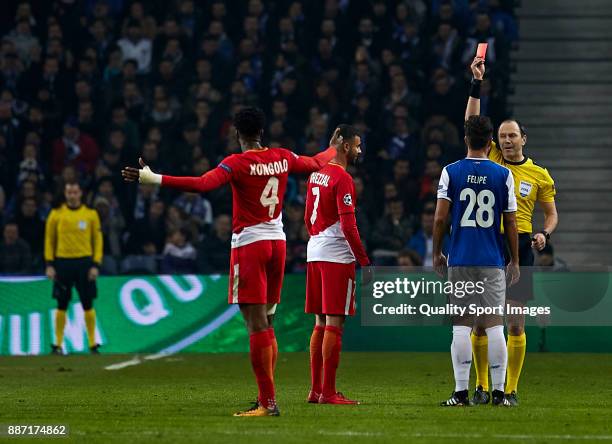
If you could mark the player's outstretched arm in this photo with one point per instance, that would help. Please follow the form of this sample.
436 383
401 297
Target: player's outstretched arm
473 104
207 182
307 165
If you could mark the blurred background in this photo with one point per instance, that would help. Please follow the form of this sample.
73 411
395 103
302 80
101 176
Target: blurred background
87 87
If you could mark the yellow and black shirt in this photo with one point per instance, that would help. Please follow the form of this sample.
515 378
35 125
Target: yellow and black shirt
531 183
73 233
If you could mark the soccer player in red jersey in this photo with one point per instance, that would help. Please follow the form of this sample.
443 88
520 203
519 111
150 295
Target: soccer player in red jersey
333 247
258 177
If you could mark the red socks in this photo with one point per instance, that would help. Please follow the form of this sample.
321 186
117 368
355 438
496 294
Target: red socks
262 360
316 358
332 343
274 347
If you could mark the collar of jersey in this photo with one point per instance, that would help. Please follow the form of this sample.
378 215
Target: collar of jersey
337 164
256 150
477 158
525 159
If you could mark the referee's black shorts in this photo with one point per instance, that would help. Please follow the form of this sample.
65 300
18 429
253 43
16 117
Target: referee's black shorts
73 272
523 290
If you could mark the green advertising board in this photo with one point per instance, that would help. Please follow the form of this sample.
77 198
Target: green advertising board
169 314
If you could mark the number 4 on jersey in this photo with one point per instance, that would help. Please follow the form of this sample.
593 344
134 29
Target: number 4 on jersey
269 195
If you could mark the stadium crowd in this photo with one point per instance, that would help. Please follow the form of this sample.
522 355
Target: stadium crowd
88 86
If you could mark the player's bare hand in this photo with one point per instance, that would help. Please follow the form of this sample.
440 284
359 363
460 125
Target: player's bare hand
538 241
367 274
513 273
143 175
336 139
50 272
92 274
131 174
478 68
440 264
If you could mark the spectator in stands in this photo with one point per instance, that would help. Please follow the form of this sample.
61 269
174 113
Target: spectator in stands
422 241
179 255
148 234
31 226
74 148
136 75
392 230
15 256
409 258
134 46
214 251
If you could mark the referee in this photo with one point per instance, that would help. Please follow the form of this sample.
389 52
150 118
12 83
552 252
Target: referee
531 183
73 253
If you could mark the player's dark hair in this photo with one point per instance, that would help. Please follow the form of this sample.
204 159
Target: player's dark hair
522 128
250 122
348 131
478 131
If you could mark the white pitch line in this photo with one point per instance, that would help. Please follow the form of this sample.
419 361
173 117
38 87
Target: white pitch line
124 364
183 343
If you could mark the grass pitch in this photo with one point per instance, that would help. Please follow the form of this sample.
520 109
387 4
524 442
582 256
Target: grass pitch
190 398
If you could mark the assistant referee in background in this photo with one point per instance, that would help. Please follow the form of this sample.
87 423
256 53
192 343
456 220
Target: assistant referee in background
73 253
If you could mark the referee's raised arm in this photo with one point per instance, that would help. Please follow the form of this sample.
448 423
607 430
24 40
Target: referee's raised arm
473 104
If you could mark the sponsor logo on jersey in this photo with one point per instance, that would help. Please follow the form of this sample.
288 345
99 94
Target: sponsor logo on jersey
525 188
319 179
269 169
82 225
348 199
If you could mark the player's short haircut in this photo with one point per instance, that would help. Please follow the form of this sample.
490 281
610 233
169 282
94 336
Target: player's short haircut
478 131
250 122
522 127
348 131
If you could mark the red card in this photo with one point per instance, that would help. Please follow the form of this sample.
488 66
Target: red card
482 50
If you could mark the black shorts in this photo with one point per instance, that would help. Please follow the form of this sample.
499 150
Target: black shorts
73 272
523 290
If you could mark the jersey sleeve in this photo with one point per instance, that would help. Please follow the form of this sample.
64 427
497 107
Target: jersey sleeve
443 185
546 188
495 153
511 200
206 182
306 165
345 195
348 223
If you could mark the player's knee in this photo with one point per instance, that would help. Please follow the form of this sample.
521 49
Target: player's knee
479 330
257 324
516 329
334 320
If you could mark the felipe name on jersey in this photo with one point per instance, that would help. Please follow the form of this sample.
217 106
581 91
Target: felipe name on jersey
476 179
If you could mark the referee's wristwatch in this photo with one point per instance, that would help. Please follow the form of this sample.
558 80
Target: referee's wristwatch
546 234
